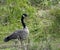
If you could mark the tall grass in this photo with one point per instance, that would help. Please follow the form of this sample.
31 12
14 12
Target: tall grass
43 22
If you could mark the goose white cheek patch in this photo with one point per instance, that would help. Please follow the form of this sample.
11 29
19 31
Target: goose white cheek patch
23 15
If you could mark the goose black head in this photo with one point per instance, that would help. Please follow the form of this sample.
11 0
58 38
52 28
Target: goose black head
24 15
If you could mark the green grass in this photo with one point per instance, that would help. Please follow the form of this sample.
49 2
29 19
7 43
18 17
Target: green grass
43 22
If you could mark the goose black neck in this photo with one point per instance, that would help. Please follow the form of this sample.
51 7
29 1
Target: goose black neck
23 23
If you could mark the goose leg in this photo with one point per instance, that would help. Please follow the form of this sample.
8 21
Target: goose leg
23 45
15 44
28 44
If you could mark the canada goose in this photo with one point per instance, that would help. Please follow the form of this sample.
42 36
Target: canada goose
19 34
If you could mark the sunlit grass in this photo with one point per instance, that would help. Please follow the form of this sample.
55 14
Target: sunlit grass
43 23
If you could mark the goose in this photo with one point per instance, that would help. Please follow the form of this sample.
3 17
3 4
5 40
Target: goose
21 34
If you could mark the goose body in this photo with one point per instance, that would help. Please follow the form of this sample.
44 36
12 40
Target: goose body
19 34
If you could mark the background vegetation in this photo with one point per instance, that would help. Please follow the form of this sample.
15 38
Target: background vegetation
43 22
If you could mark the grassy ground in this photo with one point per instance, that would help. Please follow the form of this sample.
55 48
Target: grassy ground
43 23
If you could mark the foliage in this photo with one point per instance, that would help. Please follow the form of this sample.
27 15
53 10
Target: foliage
43 22
44 4
56 25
